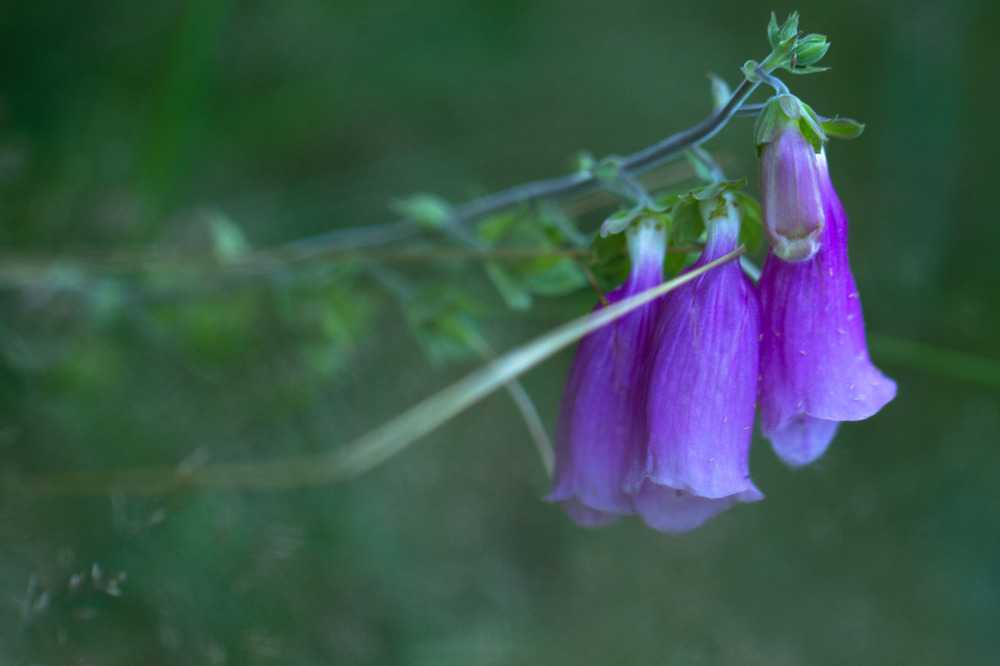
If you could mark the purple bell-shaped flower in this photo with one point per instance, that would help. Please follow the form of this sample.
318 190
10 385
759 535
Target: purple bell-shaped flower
790 197
702 389
603 413
815 368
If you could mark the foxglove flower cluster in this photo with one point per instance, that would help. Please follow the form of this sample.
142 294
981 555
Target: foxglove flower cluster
657 415
658 410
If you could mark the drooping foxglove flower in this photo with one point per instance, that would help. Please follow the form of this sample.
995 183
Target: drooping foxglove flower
702 390
815 368
603 412
790 198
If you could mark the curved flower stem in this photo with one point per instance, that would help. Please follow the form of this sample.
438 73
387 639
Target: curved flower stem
771 80
20 268
365 452
563 188
749 111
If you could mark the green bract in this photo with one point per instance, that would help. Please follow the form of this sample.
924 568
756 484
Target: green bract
842 128
790 51
784 109
623 219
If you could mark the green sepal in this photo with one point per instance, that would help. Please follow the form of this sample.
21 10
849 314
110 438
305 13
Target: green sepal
842 128
620 221
772 31
811 128
809 50
752 228
428 210
664 201
781 110
610 263
715 189
808 70
687 226
782 38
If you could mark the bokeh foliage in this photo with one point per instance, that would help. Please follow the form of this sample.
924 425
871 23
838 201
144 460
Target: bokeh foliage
209 128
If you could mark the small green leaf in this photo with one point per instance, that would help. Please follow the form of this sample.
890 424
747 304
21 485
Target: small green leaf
553 276
426 209
445 323
721 92
563 229
228 239
494 228
344 318
514 293
584 161
843 128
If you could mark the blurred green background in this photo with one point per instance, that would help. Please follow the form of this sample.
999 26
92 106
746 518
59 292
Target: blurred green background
126 124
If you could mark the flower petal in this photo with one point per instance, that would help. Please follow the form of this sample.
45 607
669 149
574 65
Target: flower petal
672 510
803 439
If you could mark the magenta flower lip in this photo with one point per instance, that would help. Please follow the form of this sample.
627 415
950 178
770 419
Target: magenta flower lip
815 368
